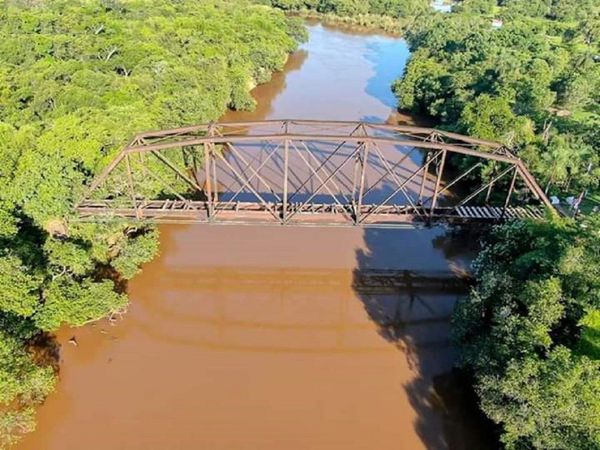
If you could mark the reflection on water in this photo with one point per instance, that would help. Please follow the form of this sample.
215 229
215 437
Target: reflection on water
339 75
241 335
388 58
417 322
261 338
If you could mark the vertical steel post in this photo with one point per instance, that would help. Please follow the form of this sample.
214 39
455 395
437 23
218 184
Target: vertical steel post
207 181
132 187
361 189
510 191
215 187
489 189
215 184
355 178
425 172
437 183
286 149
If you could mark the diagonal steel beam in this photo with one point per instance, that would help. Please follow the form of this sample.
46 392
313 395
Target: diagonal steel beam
173 167
511 188
170 188
321 180
337 169
325 168
395 177
424 178
408 180
264 203
331 155
105 173
224 205
456 180
484 186
254 172
396 165
339 146
325 171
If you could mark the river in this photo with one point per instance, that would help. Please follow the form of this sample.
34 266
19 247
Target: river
254 338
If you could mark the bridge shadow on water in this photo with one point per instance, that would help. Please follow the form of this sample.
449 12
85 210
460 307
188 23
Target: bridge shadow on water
421 274
388 56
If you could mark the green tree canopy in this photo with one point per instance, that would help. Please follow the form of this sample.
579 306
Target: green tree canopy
522 332
78 79
532 82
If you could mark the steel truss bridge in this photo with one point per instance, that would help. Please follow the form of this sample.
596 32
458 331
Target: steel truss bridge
304 172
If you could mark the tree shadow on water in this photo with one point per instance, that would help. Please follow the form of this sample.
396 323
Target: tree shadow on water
409 281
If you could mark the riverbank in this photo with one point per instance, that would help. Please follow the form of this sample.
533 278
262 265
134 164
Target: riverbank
79 80
359 23
229 333
234 325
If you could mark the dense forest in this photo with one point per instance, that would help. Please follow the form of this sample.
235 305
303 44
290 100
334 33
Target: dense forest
529 333
392 8
390 15
77 79
526 73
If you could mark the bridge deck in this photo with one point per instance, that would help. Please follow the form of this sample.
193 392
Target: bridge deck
178 211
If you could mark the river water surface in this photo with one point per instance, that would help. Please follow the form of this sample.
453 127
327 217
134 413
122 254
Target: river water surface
255 338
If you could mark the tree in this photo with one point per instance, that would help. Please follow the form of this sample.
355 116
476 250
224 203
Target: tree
519 332
549 403
78 80
23 384
492 118
589 344
507 83
68 257
134 252
19 287
350 8
476 6
424 81
77 303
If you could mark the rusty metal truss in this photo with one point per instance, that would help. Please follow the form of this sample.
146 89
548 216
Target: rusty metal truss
303 172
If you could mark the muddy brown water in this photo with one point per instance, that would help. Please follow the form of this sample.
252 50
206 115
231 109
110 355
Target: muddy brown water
254 337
